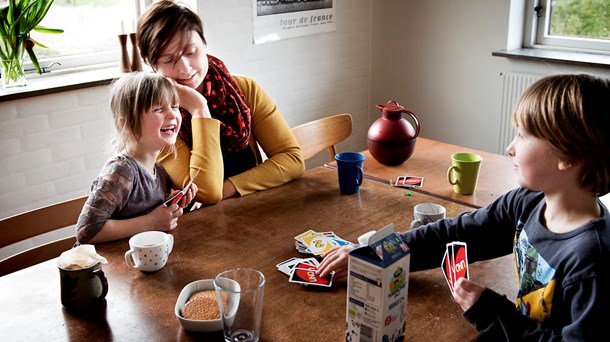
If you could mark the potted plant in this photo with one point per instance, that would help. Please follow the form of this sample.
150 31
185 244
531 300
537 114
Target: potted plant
17 20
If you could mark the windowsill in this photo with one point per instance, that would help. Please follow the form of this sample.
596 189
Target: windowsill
61 82
580 58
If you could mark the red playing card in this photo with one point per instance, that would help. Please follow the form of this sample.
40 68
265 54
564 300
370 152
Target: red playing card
308 276
447 269
460 261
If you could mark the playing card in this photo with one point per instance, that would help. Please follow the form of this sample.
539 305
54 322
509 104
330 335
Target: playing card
318 243
446 270
409 181
460 260
308 276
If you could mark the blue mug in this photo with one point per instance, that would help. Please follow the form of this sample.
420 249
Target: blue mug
349 169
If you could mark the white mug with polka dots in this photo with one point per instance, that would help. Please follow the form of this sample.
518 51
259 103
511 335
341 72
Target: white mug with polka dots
149 251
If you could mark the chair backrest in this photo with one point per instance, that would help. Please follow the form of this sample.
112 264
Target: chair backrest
30 224
325 133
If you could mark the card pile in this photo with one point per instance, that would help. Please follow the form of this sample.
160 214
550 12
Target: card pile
455 263
303 271
312 242
408 182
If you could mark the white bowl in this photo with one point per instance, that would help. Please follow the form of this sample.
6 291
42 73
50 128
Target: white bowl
193 324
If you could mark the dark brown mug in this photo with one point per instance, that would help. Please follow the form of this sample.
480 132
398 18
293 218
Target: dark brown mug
83 288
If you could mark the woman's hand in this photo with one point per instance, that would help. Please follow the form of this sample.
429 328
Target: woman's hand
192 101
335 260
466 292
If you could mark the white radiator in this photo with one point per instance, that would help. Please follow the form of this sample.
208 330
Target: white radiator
513 85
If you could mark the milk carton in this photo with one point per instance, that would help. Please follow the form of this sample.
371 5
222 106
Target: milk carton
377 286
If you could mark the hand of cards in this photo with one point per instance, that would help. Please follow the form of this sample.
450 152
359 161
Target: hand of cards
311 242
303 271
455 263
174 199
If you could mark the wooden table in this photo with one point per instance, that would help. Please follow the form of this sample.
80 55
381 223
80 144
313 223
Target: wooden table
431 159
254 231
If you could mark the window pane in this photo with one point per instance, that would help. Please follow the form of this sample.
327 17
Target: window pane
580 19
89 26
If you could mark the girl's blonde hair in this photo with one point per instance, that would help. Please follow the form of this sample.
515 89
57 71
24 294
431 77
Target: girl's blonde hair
572 113
131 97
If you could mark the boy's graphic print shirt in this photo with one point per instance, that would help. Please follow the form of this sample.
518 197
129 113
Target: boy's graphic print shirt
536 279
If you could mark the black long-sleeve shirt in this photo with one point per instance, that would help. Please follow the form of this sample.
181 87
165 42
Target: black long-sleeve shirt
564 279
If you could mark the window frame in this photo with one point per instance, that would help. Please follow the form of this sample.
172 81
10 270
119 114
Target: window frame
535 29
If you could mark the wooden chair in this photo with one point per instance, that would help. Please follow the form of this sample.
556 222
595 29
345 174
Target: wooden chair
30 224
325 133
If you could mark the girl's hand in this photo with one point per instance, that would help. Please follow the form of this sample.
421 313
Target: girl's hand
335 260
466 292
164 218
190 195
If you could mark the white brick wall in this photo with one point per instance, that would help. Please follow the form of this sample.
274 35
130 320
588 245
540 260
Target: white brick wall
54 145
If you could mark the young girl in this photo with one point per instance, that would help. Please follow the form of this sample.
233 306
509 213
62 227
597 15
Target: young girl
128 195
554 224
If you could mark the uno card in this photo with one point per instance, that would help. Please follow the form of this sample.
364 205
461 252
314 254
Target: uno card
409 181
303 235
308 276
318 243
447 270
460 261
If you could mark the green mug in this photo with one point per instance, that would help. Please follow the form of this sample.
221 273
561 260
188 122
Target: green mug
464 172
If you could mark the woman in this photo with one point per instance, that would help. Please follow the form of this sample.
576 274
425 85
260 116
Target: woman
225 117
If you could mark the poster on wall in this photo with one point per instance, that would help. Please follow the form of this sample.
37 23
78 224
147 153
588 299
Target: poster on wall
281 19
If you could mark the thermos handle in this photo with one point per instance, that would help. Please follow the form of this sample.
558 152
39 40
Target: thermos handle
415 119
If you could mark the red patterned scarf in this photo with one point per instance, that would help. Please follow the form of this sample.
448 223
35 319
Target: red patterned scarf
227 104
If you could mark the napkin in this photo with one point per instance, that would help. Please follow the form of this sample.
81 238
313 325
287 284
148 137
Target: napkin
78 258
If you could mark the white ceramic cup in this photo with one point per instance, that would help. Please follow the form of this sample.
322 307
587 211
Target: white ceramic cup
149 251
425 213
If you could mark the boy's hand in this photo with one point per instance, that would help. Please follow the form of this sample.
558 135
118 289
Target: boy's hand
466 292
335 260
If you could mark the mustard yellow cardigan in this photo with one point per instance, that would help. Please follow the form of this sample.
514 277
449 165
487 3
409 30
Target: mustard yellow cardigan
269 129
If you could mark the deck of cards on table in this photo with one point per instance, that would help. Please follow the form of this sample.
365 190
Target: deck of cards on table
312 242
455 263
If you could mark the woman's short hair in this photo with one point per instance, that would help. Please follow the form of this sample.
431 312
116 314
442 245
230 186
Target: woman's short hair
160 23
572 113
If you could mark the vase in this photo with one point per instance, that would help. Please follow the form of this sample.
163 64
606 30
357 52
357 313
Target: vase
13 75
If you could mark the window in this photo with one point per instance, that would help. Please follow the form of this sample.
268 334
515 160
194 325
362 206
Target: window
90 32
573 25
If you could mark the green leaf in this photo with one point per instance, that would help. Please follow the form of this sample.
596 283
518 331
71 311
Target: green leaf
34 60
37 43
48 30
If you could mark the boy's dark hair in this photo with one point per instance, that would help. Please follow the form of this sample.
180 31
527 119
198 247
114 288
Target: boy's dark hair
161 21
571 112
